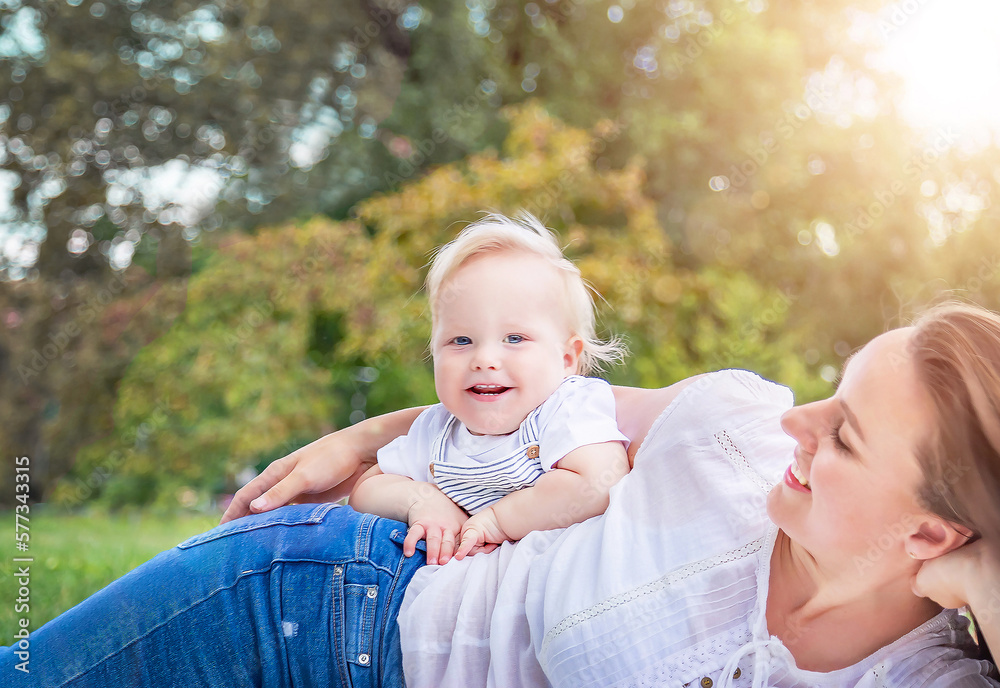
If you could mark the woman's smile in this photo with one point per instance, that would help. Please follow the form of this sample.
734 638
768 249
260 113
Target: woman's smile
795 480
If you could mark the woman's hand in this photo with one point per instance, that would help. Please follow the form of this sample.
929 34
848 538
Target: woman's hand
947 579
968 576
323 471
306 475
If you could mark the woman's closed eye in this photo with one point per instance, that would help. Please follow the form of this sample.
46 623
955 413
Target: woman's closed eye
838 442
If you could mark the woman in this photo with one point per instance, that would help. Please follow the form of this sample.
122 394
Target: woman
684 581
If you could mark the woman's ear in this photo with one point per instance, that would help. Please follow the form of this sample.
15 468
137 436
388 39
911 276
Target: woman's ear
933 537
571 357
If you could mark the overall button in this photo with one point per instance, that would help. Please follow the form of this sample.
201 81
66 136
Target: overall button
372 592
706 682
533 451
363 658
737 673
430 467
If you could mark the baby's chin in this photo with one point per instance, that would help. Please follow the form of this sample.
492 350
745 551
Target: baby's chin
496 432
492 426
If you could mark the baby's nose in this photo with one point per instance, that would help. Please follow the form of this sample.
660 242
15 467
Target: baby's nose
486 358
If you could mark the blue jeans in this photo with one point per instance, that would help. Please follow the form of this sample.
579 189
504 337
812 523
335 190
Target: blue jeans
301 596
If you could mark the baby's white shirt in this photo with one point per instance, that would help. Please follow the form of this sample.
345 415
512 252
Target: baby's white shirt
477 470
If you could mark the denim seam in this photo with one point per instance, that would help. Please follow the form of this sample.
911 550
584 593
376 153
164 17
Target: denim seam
317 516
339 628
213 593
364 541
388 603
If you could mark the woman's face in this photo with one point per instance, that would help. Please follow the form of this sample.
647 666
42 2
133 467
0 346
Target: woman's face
856 453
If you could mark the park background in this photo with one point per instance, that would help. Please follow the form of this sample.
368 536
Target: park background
215 216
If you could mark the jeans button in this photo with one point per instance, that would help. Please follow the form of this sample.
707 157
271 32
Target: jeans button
363 658
337 570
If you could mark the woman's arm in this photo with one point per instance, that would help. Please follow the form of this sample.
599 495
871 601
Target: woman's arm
327 469
323 471
636 409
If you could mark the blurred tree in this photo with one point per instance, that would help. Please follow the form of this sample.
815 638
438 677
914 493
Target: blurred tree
126 129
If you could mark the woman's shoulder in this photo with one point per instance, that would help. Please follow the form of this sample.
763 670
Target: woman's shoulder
733 386
734 402
939 654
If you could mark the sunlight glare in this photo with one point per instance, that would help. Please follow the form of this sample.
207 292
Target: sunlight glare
948 53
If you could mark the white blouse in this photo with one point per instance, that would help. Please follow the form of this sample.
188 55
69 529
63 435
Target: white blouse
667 588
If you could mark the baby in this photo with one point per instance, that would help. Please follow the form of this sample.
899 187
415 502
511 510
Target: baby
520 440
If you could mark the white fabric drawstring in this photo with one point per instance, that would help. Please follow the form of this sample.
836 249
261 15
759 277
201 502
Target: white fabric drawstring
762 656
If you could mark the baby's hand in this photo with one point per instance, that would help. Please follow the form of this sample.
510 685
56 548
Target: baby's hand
436 519
479 532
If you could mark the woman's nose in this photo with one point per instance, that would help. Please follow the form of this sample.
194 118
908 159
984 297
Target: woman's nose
801 423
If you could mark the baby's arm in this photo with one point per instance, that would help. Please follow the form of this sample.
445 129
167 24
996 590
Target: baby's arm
430 514
577 488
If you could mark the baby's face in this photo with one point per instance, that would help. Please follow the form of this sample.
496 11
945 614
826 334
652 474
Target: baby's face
501 341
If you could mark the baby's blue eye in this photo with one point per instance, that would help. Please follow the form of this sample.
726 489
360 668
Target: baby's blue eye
462 340
513 339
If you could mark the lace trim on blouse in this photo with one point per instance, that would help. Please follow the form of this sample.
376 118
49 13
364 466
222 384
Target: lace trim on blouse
651 588
739 460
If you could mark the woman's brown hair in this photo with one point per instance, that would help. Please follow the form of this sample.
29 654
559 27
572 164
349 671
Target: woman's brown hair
956 351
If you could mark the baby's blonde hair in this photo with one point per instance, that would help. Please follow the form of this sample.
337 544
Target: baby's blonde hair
496 233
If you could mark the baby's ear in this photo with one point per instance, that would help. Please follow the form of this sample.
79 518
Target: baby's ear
571 358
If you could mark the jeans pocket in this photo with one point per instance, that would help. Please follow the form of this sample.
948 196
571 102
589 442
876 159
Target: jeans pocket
297 514
360 603
358 596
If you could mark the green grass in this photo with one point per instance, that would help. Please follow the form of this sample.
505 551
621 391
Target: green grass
77 555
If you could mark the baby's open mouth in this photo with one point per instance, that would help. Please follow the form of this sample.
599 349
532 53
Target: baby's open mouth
488 390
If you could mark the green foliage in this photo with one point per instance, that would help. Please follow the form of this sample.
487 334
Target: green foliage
247 367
